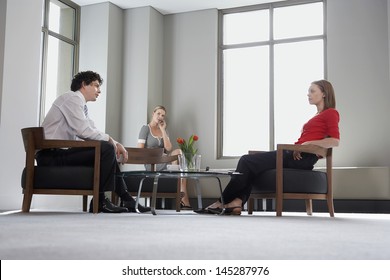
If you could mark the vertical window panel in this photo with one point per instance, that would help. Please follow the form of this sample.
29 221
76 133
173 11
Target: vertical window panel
59 70
62 19
59 50
246 107
298 21
296 66
246 27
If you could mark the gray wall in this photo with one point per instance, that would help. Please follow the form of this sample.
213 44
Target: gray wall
173 60
114 72
190 80
3 12
358 60
142 71
101 48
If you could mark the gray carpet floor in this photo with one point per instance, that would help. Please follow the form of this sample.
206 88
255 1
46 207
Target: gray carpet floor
43 235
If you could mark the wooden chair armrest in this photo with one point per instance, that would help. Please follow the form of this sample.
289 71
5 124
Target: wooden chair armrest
313 149
52 144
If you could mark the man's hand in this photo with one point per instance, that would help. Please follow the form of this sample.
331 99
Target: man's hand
121 153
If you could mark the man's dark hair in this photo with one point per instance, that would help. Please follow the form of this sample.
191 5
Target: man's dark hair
87 77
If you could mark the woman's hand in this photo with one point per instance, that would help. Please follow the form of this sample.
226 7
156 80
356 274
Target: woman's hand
297 155
162 125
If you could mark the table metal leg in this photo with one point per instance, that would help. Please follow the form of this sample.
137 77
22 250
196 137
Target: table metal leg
220 189
154 195
139 194
199 194
198 190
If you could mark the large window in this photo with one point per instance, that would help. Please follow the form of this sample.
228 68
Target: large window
268 57
60 41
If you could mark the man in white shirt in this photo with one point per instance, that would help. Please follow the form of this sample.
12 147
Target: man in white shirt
68 119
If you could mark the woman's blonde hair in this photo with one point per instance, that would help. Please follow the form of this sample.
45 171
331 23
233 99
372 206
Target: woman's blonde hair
158 108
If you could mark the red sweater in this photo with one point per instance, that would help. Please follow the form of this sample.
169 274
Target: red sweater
323 125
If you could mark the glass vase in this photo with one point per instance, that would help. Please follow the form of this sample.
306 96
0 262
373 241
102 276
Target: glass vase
190 161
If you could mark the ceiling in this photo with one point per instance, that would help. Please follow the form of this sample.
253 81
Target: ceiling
177 6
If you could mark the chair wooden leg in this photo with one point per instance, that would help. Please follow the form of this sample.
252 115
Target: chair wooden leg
85 202
27 198
95 206
250 205
279 206
330 207
309 206
178 195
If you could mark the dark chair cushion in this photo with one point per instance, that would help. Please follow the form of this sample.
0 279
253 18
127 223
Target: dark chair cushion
166 185
294 181
64 177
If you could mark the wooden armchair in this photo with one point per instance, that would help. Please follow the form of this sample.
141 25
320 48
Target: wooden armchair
58 180
283 183
153 157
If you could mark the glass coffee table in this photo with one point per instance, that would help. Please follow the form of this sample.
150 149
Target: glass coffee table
193 175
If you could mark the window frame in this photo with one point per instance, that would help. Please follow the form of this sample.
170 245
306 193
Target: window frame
46 34
271 43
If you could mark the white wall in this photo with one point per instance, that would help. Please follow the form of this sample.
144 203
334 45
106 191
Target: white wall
21 43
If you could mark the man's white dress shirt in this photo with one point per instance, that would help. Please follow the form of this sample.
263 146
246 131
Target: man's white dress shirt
66 120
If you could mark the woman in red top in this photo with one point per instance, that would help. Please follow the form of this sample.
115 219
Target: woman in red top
321 130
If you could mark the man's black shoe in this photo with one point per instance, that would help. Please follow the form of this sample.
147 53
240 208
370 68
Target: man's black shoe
130 205
107 206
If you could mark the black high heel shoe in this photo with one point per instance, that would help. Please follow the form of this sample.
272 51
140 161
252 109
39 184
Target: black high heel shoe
183 206
202 211
236 211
